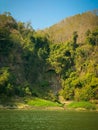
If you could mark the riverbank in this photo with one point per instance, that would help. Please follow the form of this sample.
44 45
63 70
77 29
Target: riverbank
28 103
82 105
42 104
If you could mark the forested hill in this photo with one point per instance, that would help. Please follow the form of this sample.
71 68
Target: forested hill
61 60
63 30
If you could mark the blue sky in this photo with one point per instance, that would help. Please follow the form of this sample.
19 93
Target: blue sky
44 13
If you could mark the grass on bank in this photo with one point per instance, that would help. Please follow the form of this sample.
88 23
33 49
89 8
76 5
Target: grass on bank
30 102
42 103
27 102
82 104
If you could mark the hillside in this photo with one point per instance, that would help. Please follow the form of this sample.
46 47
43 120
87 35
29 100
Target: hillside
80 23
59 61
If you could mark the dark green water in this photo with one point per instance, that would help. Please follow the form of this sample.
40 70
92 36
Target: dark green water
48 120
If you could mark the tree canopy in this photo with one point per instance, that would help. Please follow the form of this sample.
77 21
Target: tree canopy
61 60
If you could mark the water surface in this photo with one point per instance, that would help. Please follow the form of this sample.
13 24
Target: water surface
47 120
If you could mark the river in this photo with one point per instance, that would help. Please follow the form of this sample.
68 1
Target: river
47 120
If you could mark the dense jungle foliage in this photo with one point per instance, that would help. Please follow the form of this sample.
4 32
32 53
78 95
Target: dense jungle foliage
59 61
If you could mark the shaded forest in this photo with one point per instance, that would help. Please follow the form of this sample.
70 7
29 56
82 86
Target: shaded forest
58 61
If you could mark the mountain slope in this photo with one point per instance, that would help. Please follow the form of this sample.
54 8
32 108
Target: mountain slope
63 30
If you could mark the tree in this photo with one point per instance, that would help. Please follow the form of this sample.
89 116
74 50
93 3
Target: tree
92 37
7 13
75 36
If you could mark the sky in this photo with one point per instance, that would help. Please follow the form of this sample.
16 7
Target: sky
45 13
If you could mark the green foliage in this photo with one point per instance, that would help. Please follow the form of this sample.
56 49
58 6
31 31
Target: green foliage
7 21
10 90
86 93
5 44
92 37
27 91
34 64
4 75
44 83
60 57
5 82
74 38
